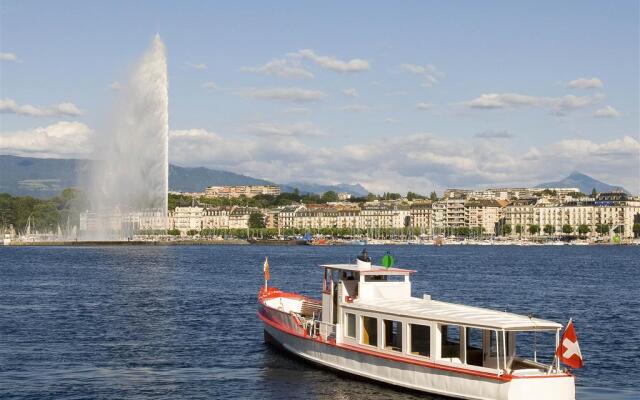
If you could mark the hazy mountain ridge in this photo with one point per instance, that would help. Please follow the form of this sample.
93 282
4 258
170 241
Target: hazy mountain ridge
584 182
47 177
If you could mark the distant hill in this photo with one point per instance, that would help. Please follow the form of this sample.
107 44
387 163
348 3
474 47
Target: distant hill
47 177
584 182
356 190
185 179
39 177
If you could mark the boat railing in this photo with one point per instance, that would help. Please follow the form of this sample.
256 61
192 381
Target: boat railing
314 327
327 331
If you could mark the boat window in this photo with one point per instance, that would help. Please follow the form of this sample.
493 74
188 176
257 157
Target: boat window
351 325
392 335
420 340
474 346
375 278
450 341
370 331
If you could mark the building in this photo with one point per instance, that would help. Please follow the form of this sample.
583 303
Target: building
421 216
483 213
216 217
241 190
187 219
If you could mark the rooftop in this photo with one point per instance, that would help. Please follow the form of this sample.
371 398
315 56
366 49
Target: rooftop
414 307
374 270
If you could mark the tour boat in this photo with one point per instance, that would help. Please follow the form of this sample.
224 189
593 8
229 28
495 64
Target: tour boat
368 324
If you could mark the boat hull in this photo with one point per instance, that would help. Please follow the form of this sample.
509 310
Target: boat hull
415 376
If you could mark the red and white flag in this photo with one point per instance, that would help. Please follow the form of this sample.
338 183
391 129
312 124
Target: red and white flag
568 350
265 269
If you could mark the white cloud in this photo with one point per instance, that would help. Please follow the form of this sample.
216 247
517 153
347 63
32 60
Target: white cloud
389 120
356 108
197 66
424 106
559 105
296 110
428 161
59 140
586 83
210 86
494 135
607 112
282 68
275 129
428 72
9 106
292 94
350 92
332 63
115 85
9 57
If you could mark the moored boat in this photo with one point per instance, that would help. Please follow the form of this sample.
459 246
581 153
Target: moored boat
368 324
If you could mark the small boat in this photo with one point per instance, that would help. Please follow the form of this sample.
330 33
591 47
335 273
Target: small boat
368 324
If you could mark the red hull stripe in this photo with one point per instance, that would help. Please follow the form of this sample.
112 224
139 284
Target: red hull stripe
503 378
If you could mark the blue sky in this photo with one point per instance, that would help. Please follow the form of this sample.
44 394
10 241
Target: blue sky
397 96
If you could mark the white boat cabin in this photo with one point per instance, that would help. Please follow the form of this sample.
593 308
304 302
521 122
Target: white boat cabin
370 307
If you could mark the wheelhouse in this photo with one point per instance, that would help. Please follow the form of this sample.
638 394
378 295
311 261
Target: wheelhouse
370 307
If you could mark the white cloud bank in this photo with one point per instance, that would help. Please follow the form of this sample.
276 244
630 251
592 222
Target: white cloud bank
9 57
559 105
607 112
332 63
60 140
422 162
9 106
586 83
281 67
428 72
301 129
292 94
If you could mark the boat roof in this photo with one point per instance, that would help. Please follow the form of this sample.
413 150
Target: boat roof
452 313
374 270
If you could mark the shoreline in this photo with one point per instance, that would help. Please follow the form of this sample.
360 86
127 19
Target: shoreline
106 243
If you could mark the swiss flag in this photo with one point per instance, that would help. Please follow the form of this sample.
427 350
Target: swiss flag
569 351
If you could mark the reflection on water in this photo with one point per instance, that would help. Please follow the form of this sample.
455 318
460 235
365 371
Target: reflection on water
180 322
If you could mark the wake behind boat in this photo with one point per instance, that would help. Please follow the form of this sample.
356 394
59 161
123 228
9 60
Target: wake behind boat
369 325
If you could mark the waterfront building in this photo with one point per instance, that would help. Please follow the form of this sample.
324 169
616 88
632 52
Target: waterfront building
519 214
187 219
241 190
455 212
483 213
421 215
216 217
239 217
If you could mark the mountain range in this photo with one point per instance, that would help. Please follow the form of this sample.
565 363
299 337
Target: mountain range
584 182
46 177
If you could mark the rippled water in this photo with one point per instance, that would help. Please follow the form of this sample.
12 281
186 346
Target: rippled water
179 322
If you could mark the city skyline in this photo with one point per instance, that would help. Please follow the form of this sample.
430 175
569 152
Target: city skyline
422 98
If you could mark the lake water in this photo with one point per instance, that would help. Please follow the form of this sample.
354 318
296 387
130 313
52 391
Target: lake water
179 322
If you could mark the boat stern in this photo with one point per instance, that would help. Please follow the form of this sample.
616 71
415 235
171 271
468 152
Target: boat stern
560 387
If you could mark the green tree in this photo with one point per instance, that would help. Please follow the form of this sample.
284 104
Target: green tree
567 229
506 230
549 229
519 229
329 196
636 230
594 192
192 232
583 229
534 229
256 220
433 196
603 229
173 232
